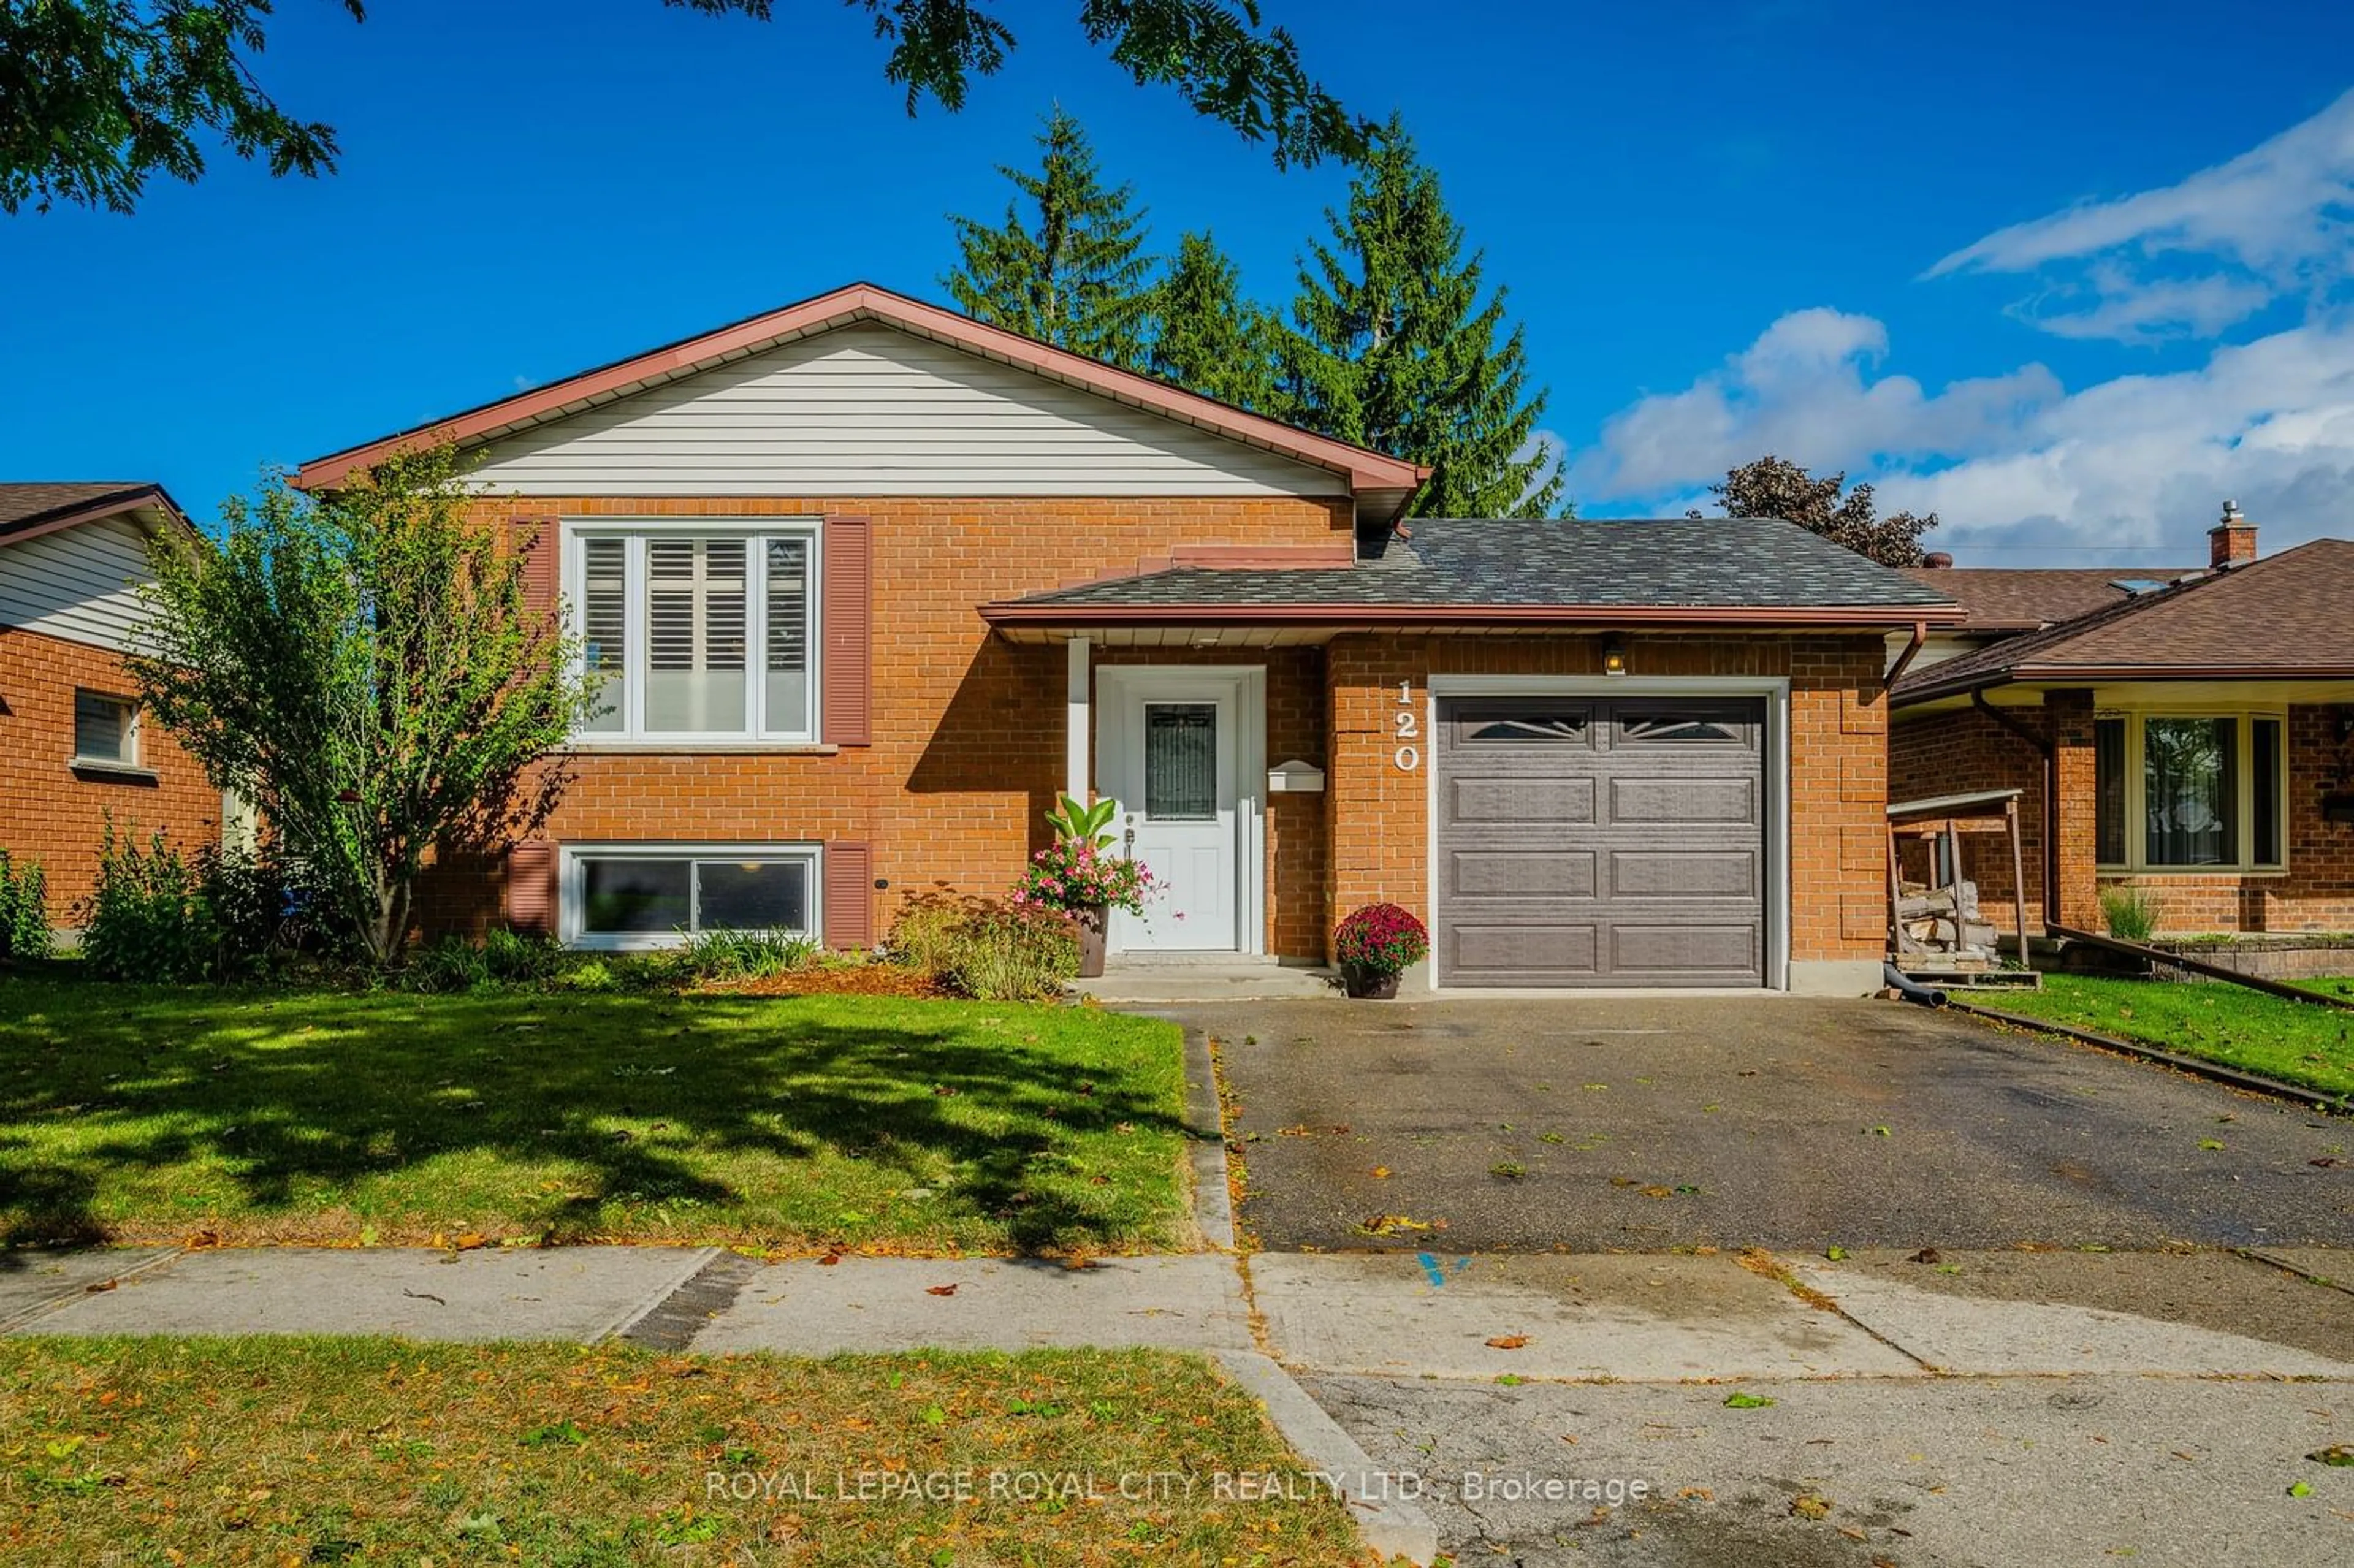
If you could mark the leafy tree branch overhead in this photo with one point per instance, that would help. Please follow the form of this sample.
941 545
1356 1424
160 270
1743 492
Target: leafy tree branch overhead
97 96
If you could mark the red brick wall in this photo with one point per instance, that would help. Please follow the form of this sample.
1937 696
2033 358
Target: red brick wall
52 815
1838 763
1955 753
968 751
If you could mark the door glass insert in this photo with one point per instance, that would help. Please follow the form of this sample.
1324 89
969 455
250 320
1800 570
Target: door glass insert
1537 728
1673 727
1181 762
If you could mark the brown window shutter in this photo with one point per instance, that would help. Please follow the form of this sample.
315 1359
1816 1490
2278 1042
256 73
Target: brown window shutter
849 896
847 606
531 886
536 539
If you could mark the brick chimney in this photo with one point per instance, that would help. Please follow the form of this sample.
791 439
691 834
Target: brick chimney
2231 542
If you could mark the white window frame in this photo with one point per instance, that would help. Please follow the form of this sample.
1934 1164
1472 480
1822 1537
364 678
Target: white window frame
756 532
129 760
572 889
2136 823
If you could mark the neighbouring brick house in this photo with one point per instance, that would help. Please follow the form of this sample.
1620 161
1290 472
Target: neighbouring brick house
2191 733
73 749
870 583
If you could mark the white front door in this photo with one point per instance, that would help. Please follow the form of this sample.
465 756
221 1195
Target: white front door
1172 763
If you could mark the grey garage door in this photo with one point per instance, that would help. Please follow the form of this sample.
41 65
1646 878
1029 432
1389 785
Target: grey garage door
1590 841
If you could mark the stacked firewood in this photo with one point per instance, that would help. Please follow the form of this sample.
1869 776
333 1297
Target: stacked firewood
1943 924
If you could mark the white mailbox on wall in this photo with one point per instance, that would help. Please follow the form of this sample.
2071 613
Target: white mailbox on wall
1295 777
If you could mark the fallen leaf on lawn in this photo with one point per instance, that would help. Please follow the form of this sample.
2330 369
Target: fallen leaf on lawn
102 1286
1382 1172
939 1289
2338 1454
1927 1254
1811 1505
2327 1162
1851 1532
829 1260
1738 1401
469 1242
1507 1341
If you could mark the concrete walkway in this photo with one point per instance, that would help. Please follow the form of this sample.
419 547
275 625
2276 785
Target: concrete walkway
1423 1315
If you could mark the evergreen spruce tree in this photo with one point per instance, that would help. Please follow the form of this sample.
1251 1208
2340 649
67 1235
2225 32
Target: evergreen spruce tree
1207 338
1394 349
1071 268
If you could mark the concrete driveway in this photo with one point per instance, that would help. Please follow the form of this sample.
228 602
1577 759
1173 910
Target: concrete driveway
1653 1123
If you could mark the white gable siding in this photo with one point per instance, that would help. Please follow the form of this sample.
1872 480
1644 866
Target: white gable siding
868 411
78 583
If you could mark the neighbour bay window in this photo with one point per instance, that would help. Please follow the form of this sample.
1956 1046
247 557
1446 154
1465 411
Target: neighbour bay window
2188 792
647 896
702 632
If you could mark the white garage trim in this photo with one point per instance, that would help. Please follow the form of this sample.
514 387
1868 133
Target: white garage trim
1774 689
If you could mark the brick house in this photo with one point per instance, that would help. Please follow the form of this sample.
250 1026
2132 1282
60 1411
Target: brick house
2191 732
73 751
870 583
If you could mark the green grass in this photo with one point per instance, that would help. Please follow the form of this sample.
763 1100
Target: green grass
132 1114
2290 1041
282 1450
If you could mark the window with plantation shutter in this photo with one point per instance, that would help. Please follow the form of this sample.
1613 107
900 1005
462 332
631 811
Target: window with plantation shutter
604 616
671 618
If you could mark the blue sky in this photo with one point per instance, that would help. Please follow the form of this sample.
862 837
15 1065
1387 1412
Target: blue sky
2070 274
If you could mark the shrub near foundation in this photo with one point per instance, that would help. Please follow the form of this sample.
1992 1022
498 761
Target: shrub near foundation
988 950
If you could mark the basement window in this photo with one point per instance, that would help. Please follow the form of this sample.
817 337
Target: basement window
657 895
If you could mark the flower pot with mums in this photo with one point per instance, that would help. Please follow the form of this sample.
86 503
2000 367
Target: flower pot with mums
1376 945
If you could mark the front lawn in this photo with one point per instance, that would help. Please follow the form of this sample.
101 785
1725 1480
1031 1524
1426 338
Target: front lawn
2291 1041
275 1451
131 1114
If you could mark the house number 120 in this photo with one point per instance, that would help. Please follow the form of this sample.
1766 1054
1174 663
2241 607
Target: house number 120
1409 726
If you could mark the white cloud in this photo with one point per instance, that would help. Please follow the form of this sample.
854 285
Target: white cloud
1806 386
2194 256
2023 473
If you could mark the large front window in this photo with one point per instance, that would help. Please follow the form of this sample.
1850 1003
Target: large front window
2188 792
652 896
706 632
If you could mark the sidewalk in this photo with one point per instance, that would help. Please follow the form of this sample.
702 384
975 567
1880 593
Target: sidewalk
1456 1372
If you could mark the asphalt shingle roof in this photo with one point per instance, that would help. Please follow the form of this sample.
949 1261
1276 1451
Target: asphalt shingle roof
24 504
1704 563
2286 614
2011 598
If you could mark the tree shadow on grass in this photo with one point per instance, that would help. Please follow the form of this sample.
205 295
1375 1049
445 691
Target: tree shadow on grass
128 1111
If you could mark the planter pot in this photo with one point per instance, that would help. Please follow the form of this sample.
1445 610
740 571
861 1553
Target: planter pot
1092 920
1367 983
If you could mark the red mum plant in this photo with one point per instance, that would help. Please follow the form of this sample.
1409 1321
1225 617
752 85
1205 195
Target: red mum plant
1380 939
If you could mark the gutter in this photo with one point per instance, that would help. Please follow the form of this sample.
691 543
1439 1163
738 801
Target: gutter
2050 751
1785 617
